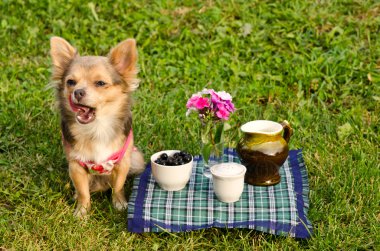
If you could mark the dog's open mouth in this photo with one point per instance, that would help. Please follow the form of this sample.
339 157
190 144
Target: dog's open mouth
84 114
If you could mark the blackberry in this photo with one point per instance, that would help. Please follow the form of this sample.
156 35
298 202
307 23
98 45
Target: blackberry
164 156
178 158
187 158
176 155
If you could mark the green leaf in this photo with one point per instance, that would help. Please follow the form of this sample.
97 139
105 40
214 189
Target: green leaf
206 150
219 133
205 134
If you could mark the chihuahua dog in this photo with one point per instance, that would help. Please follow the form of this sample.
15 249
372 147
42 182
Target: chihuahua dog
94 99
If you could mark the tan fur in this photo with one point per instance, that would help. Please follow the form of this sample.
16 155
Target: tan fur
106 134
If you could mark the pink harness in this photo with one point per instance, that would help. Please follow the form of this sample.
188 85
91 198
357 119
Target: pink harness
107 166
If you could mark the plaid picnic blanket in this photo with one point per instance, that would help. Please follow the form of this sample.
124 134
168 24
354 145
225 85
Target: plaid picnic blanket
280 209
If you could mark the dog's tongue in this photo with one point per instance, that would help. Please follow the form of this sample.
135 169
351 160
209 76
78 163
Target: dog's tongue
84 114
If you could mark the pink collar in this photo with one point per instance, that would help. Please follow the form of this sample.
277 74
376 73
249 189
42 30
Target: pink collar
107 166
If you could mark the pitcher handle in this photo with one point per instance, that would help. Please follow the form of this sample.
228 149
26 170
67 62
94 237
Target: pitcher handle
288 131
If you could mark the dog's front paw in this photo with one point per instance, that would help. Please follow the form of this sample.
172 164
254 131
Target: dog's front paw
120 204
80 212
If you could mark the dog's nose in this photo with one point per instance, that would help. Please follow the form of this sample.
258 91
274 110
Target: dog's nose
79 94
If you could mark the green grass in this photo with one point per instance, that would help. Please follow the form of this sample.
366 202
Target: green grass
314 63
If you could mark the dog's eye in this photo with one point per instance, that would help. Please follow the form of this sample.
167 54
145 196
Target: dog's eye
71 82
100 83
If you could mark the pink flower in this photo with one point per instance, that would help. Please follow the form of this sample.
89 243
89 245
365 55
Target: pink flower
197 102
202 103
230 106
224 96
215 99
211 105
220 96
192 100
222 112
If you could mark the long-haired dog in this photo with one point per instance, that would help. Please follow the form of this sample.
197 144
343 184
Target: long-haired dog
94 99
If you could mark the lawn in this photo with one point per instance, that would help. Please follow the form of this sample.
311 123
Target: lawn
313 63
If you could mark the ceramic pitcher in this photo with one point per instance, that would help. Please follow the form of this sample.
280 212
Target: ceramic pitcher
263 149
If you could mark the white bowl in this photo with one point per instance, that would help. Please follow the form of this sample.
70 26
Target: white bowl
228 181
171 178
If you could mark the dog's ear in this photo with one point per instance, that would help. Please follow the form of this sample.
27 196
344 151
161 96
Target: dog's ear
62 53
123 57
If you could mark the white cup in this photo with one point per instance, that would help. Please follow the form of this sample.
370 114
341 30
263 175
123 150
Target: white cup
228 181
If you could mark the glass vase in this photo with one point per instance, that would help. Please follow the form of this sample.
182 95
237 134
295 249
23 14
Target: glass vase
212 145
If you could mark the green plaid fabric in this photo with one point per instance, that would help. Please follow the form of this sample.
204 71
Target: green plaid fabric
279 209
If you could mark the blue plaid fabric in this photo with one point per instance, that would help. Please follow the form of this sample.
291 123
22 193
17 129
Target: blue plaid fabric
280 209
